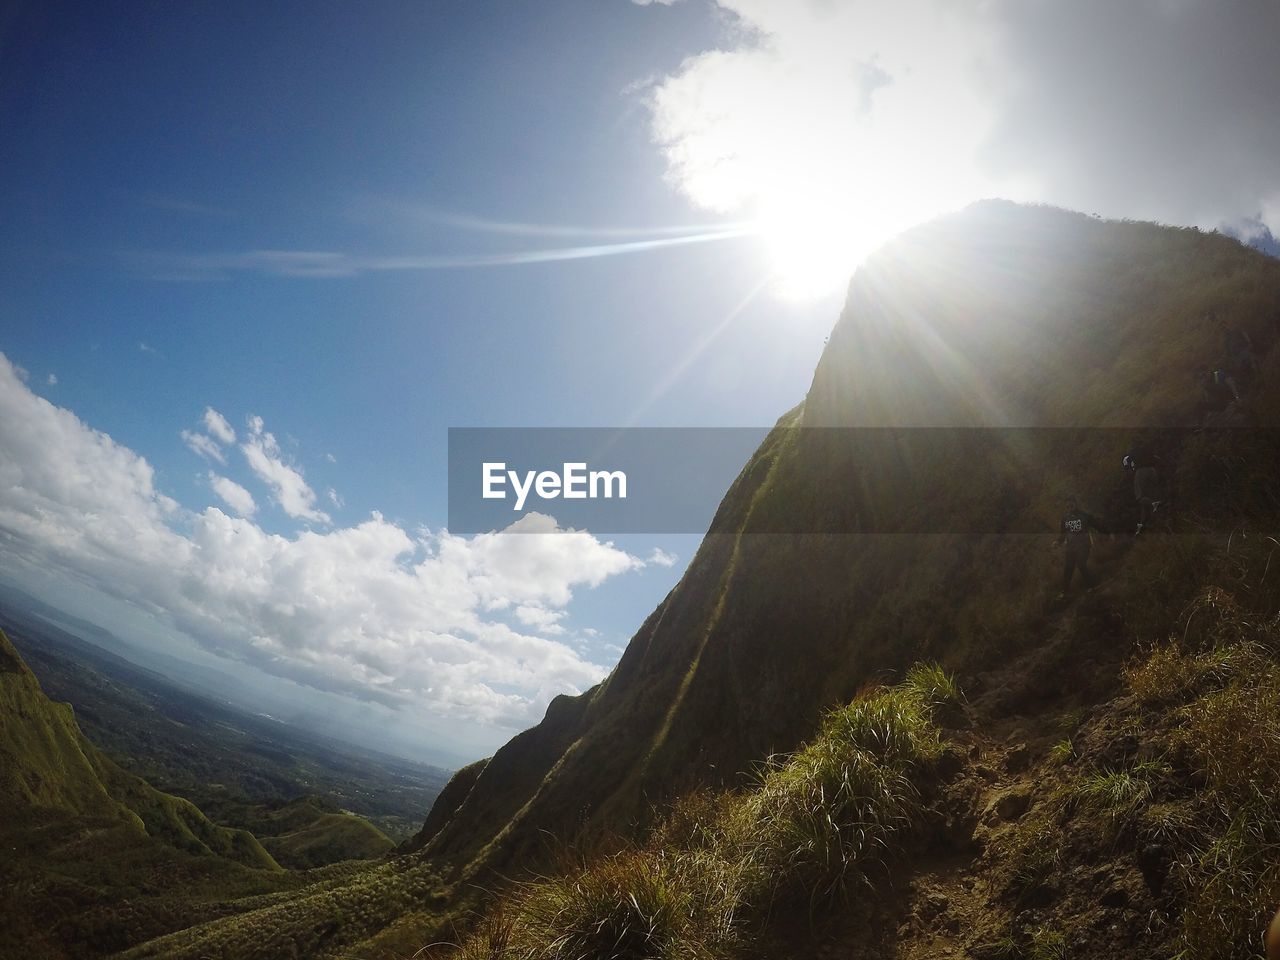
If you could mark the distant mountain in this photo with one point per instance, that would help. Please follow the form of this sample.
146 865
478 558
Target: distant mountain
51 768
66 804
1256 234
312 832
223 759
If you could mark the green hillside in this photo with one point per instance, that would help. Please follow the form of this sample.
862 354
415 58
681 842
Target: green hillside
49 768
839 559
88 840
225 761
312 832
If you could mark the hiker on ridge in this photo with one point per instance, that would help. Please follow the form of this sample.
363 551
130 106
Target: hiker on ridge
1146 490
1219 387
1073 532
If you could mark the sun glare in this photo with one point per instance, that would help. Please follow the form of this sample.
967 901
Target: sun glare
814 247
816 234
812 252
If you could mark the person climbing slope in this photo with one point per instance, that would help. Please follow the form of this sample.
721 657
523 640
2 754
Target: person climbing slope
1073 533
1146 490
1219 387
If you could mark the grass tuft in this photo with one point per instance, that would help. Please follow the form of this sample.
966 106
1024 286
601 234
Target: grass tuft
1062 753
934 686
816 823
1047 944
1215 694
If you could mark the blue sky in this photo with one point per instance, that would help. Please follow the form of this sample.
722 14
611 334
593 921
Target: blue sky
240 304
142 140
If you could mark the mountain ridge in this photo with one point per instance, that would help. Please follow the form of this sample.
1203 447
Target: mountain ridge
948 289
1003 318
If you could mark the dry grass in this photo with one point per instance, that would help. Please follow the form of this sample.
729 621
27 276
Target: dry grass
1216 692
817 822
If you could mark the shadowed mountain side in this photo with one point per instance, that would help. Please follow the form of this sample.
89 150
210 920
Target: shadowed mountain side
999 316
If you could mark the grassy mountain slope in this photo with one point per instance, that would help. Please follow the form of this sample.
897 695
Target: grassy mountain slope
1001 317
226 761
1093 823
311 832
50 766
85 836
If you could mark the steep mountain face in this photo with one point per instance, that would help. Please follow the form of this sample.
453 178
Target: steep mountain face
1001 317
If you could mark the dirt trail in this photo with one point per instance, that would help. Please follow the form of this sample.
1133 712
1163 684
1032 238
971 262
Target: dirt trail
944 903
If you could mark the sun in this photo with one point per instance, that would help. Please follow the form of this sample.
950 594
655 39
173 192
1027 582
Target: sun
815 234
814 243
811 256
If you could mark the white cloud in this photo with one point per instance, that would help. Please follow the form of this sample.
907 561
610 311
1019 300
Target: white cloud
144 347
202 445
233 495
336 498
369 610
839 122
331 458
662 558
217 426
546 622
288 488
52 380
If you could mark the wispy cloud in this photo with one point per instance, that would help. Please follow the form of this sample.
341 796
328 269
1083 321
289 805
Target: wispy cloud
233 495
181 205
328 264
144 347
288 488
203 446
218 426
51 380
381 209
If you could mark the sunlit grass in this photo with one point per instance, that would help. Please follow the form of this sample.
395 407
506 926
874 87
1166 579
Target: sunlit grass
816 825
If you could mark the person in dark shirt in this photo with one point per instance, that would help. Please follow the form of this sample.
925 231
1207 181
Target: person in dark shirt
1073 533
1146 490
1218 386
